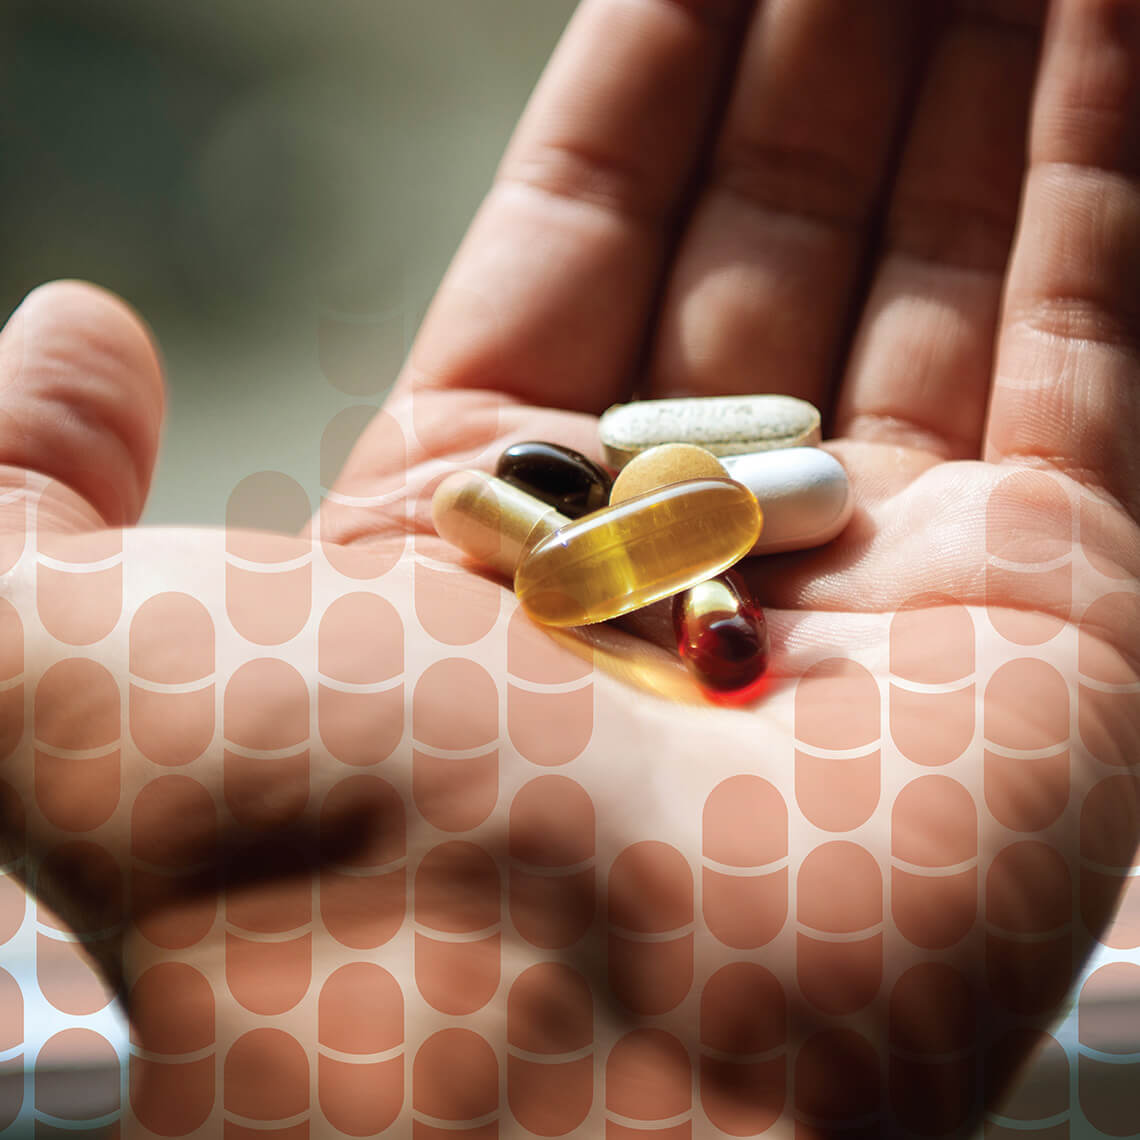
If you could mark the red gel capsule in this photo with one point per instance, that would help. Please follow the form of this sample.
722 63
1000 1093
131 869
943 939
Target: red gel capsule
722 636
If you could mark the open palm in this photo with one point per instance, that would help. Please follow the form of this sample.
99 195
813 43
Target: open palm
430 849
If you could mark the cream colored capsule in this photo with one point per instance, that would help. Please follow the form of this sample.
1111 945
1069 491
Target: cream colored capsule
724 425
804 493
490 520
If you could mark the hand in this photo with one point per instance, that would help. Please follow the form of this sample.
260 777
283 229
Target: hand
553 858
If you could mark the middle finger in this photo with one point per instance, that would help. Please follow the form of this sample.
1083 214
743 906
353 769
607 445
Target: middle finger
919 372
761 293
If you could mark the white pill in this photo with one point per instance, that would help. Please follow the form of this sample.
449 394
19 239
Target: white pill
724 425
804 493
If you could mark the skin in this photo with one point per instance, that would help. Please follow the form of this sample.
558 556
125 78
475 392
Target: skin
938 247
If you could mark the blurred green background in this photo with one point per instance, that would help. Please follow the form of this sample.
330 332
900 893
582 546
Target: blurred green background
243 172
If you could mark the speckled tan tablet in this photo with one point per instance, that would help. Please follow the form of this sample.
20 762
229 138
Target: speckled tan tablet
658 466
724 425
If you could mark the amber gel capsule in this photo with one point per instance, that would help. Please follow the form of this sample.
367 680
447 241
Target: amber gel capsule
647 548
557 475
722 635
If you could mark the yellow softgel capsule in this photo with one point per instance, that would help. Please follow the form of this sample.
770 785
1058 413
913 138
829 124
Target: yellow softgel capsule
621 558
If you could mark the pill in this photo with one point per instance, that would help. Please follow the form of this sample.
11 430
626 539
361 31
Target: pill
804 493
659 466
721 635
645 549
724 425
491 520
559 476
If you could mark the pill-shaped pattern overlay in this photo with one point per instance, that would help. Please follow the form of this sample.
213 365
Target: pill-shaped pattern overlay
559 476
804 493
490 520
724 425
659 466
648 548
721 634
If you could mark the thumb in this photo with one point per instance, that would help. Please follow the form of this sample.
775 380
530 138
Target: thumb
81 405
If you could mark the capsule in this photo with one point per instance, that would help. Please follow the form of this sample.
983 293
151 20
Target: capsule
490 520
559 476
722 636
647 548
803 491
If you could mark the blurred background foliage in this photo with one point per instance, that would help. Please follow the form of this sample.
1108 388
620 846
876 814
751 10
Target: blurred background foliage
246 173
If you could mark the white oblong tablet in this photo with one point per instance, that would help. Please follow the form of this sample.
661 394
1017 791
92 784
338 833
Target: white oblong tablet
804 493
724 425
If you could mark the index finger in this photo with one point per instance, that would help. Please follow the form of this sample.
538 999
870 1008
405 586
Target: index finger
550 294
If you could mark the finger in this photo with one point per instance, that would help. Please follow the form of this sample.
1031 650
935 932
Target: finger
1067 384
761 295
81 403
549 295
919 373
